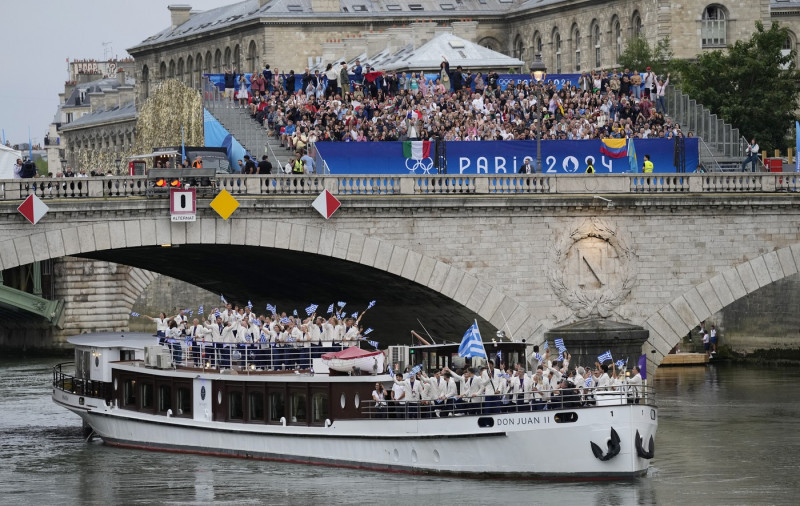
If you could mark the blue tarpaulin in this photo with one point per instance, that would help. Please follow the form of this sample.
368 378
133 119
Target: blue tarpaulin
216 136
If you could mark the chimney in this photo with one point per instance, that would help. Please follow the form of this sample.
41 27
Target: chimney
121 76
110 99
324 6
467 30
179 14
96 100
126 94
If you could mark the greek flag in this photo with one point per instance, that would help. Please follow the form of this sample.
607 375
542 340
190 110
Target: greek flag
355 315
135 314
472 344
222 299
188 340
191 313
217 314
200 309
341 304
620 363
285 320
546 345
271 308
294 312
249 304
368 331
414 370
560 345
588 382
185 310
263 337
311 309
374 344
371 304
605 356
330 309
538 357
560 356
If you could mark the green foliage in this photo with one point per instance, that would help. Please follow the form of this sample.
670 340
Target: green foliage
751 85
41 166
638 55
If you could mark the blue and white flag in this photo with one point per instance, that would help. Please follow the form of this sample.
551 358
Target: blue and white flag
605 356
354 315
374 344
311 309
414 370
560 357
249 304
560 345
217 314
371 304
285 320
538 357
222 299
188 340
330 309
135 314
271 308
263 337
341 304
588 382
472 344
620 363
366 332
200 309
294 313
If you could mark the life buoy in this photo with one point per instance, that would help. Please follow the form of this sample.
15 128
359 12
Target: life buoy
613 447
645 454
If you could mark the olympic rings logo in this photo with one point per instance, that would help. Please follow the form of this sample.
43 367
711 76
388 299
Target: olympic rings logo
425 165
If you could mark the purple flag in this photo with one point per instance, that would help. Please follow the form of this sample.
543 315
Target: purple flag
642 364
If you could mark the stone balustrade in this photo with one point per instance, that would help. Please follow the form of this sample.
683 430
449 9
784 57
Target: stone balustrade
416 185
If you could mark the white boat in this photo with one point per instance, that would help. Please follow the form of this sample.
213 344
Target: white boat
130 392
355 359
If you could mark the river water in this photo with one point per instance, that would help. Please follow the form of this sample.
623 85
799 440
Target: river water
727 435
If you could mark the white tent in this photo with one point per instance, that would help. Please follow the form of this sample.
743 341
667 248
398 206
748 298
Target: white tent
8 157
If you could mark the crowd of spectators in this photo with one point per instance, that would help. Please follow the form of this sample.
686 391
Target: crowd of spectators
455 105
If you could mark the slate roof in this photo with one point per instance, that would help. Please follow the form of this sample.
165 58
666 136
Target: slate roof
114 114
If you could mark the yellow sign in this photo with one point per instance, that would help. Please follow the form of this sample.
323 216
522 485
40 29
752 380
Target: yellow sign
224 204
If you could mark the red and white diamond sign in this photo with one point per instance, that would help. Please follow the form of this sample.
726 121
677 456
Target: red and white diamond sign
326 204
33 208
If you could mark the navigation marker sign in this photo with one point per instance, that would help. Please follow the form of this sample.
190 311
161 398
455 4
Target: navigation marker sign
182 204
33 208
224 204
326 204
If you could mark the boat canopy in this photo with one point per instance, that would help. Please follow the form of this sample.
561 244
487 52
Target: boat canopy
351 353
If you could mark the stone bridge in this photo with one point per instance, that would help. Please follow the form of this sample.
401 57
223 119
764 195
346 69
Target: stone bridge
523 253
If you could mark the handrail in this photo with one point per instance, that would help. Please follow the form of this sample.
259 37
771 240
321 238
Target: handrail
364 185
78 386
574 398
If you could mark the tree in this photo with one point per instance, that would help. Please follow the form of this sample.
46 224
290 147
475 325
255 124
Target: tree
638 55
752 85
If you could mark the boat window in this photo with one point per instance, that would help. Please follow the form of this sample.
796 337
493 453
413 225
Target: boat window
164 398
127 355
255 406
83 361
235 408
320 410
184 401
568 417
147 396
276 406
485 422
299 414
129 392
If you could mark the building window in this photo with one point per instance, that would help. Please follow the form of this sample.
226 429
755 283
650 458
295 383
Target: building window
636 25
596 44
557 46
537 43
714 27
616 30
576 37
518 49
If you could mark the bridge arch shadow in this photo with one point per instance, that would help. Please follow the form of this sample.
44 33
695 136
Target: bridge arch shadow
674 320
244 258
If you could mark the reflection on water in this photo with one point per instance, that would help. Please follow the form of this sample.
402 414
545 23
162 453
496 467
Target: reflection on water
727 435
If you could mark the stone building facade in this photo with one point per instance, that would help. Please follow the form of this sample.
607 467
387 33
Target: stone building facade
571 35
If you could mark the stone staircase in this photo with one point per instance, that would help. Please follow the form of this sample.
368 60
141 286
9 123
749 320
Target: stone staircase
252 136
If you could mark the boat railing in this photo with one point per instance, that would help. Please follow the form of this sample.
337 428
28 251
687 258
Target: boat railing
250 357
79 386
481 405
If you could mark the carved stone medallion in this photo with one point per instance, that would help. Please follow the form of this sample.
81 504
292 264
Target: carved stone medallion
592 269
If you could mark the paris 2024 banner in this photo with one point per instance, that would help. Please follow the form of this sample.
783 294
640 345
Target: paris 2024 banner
611 156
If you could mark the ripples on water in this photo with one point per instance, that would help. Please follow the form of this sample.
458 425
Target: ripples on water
727 435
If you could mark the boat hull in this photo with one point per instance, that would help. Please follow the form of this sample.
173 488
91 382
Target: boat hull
527 444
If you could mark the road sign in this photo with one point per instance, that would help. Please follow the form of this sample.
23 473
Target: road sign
183 204
224 204
326 204
33 208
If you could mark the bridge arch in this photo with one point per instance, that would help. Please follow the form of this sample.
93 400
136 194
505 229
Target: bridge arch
477 295
674 320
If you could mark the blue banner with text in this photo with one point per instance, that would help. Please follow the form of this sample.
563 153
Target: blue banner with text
506 157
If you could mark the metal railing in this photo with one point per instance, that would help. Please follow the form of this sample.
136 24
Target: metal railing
481 405
409 185
89 388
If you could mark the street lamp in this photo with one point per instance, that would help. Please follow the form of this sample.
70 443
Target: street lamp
539 72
